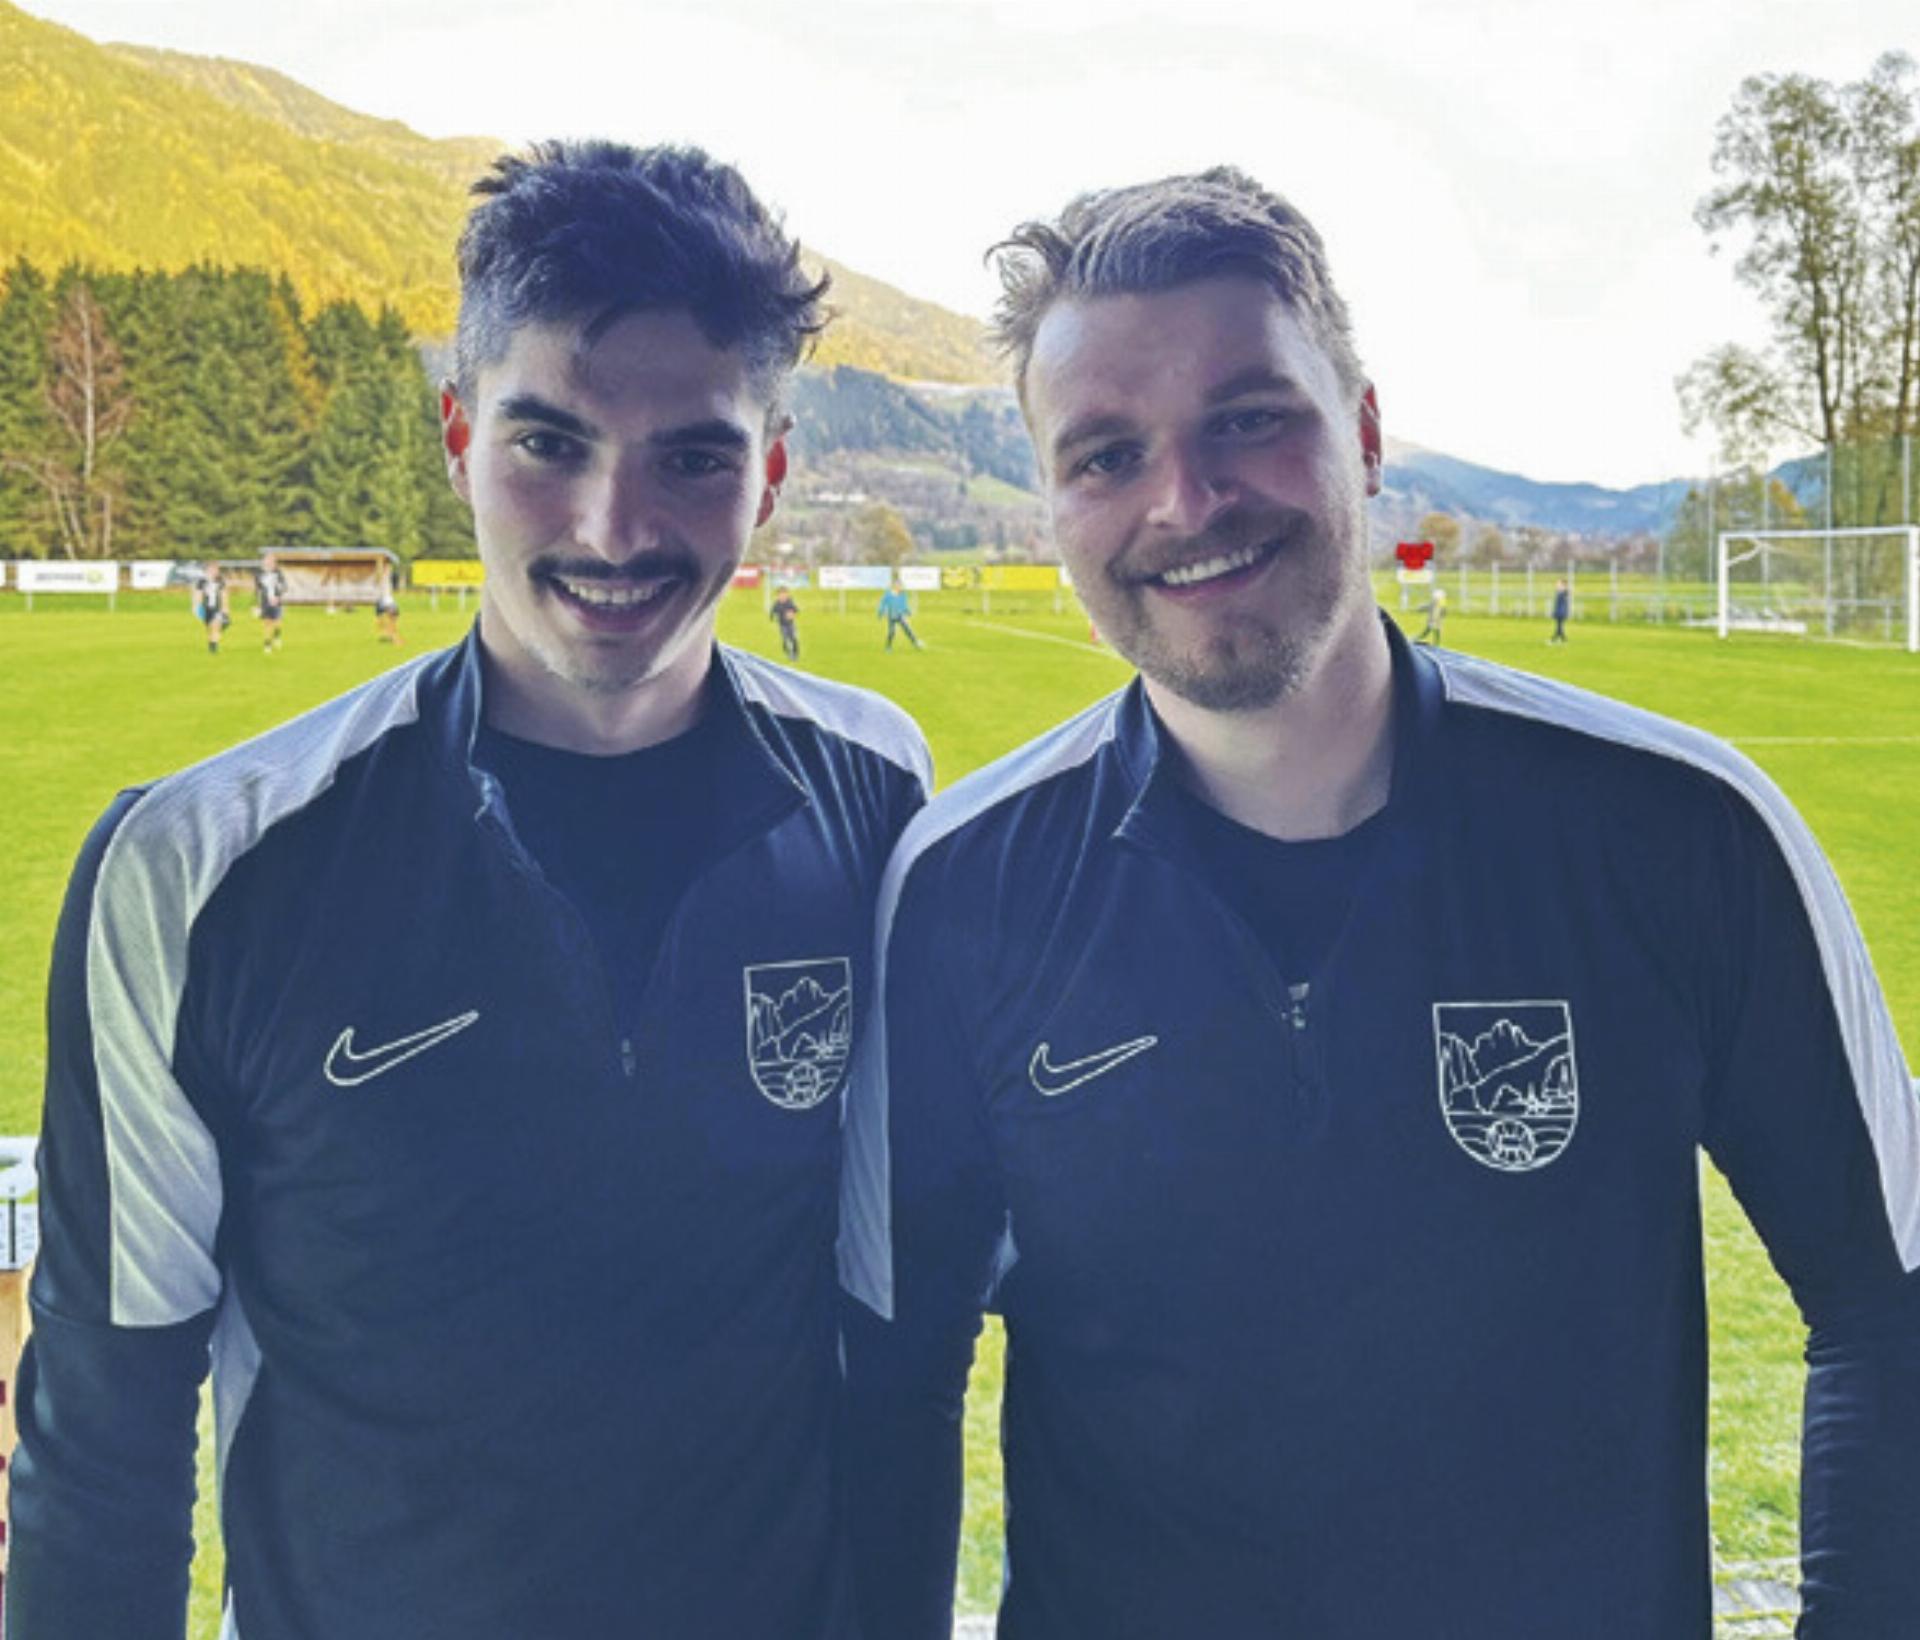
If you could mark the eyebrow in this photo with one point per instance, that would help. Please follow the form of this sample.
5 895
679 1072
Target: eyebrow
1103 424
1110 424
705 434
1259 379
531 407
725 434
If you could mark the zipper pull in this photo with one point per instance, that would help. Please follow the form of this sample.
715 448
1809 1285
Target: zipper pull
627 1057
1298 995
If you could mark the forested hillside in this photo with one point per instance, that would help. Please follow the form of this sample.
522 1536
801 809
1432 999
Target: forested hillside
125 158
208 412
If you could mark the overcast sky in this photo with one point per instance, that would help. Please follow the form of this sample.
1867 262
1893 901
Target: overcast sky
1506 187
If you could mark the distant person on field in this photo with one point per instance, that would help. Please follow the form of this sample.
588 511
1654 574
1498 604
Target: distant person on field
787 613
210 604
1307 1053
270 594
894 610
386 606
506 1216
1436 612
1562 608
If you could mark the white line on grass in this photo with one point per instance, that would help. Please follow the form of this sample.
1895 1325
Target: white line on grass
1826 740
1043 637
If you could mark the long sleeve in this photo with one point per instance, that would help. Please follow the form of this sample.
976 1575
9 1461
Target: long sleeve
1817 1126
923 1224
103 1482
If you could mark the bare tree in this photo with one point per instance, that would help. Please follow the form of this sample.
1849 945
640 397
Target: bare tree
89 407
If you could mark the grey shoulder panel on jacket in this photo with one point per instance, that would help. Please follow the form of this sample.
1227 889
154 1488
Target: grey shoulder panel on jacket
855 714
1066 747
865 1248
164 862
1882 1081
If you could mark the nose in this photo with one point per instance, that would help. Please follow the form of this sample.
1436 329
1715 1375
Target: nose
1190 491
617 515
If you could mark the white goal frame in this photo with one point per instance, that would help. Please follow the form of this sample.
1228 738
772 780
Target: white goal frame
1738 546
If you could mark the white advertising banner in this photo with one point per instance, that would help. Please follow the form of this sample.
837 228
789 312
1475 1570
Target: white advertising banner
38 575
151 574
877 577
855 577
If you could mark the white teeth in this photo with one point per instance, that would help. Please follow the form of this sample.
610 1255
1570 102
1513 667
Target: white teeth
604 595
1209 569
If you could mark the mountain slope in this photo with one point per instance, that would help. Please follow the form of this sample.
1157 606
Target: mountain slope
125 157
108 161
1432 482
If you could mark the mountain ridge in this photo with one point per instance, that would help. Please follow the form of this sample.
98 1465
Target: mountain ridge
123 157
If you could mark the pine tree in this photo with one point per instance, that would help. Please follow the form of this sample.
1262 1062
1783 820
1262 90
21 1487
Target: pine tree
26 317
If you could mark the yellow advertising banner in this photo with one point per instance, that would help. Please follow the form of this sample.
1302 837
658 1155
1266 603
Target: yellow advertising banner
445 574
1020 577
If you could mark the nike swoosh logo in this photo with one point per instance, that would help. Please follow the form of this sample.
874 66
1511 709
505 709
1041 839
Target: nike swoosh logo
1051 1080
347 1069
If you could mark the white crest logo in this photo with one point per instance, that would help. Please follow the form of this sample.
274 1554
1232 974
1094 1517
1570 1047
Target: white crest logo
1509 1086
799 1028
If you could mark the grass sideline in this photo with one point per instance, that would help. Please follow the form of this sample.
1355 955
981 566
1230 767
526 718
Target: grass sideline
106 699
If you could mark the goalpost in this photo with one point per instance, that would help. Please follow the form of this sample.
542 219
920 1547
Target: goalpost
1858 584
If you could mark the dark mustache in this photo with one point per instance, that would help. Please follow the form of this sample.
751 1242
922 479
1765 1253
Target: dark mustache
646 566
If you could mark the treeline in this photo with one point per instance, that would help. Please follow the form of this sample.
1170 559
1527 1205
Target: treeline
205 413
1820 186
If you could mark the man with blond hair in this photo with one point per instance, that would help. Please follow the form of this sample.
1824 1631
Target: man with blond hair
1308 1049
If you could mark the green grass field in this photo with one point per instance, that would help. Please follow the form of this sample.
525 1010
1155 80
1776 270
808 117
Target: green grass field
100 700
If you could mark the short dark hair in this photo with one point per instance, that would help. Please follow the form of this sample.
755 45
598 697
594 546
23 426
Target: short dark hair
599 229
1154 236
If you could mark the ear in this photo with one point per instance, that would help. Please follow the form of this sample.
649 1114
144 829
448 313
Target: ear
776 476
1371 449
456 433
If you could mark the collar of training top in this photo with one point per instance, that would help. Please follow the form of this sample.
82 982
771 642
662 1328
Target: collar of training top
1419 699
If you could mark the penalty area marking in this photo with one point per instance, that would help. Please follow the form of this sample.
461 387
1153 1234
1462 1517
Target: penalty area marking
1042 637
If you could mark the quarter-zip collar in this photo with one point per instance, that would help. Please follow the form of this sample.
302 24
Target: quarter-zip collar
760 789
1150 765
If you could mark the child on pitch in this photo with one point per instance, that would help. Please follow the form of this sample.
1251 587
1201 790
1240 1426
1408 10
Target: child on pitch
270 592
386 607
895 609
210 605
787 613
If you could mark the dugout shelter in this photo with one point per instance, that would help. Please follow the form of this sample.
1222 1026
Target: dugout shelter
335 577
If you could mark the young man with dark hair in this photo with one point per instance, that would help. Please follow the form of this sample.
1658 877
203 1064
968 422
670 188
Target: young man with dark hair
1308 1050
509 1219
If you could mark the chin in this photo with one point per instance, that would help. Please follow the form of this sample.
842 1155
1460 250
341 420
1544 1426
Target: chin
1242 689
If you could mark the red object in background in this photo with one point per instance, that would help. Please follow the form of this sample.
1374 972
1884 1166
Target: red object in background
1414 554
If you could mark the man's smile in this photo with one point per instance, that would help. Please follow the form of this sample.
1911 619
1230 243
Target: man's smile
1199 571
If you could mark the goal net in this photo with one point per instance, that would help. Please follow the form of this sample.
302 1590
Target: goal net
1860 585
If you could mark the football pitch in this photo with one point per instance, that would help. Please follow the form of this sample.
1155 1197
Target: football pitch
101 700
